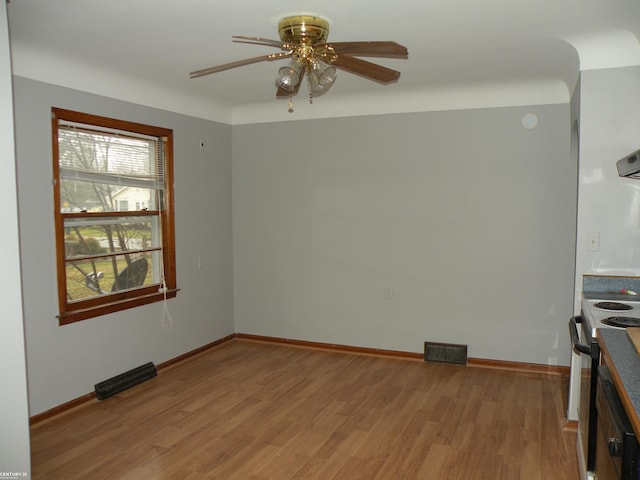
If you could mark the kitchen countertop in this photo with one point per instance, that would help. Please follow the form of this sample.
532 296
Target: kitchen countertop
624 363
611 296
594 286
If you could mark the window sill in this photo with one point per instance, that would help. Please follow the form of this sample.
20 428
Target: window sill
117 306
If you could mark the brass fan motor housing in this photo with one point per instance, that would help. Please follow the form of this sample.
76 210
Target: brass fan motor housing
303 30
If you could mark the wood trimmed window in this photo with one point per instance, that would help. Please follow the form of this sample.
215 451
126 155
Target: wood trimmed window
110 258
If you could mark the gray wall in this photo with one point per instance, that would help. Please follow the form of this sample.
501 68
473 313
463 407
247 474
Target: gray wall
464 217
448 212
608 205
14 414
66 362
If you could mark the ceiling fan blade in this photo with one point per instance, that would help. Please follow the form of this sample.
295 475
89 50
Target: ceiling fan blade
370 49
258 41
239 63
371 71
282 93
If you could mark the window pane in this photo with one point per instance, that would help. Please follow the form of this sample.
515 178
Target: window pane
98 236
102 276
78 196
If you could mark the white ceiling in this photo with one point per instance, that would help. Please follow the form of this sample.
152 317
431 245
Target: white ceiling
462 53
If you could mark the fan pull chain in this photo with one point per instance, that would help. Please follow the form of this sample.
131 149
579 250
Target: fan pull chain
290 107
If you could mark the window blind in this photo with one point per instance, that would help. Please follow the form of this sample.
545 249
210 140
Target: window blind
114 158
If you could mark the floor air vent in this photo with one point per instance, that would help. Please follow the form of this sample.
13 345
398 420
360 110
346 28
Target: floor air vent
445 353
125 380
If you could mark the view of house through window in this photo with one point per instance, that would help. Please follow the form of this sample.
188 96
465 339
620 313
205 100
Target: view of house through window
114 217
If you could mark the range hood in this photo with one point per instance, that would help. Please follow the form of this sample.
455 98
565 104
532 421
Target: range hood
629 166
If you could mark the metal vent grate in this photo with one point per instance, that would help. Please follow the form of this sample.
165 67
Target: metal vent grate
445 353
125 380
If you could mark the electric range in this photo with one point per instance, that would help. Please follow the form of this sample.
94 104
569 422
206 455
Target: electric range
614 312
598 311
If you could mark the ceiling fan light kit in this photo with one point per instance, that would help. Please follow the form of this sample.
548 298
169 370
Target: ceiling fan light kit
321 76
289 76
303 40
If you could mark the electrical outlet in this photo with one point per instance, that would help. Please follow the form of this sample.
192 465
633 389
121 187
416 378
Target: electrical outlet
388 293
593 242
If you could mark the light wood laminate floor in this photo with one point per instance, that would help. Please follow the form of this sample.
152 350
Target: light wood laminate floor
254 411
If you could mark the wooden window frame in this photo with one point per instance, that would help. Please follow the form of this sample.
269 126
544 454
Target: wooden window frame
104 304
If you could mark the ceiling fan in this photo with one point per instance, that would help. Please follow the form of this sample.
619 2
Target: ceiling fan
303 40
